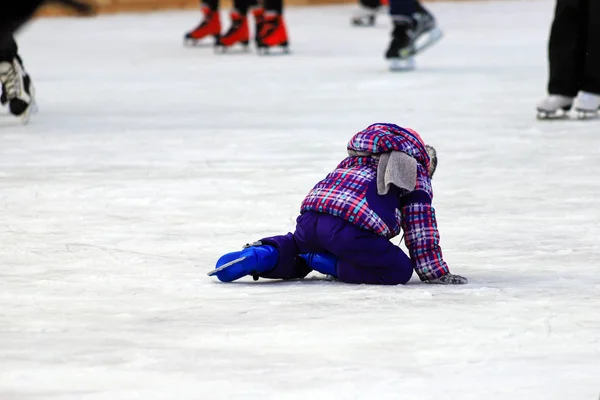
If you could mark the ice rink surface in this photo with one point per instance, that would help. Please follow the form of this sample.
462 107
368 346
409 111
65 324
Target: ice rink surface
148 160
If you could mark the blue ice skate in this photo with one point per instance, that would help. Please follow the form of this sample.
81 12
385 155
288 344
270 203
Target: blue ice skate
252 260
325 263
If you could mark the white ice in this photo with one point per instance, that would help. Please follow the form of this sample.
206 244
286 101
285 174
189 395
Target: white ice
148 160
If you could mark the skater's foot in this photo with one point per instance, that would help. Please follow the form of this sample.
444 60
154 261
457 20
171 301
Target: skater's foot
426 32
210 26
17 88
272 34
587 105
400 51
238 33
554 106
253 260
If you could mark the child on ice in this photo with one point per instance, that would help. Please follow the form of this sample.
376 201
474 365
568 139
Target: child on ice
347 220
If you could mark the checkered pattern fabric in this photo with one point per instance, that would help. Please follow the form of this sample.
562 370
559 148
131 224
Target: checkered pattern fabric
422 239
343 193
382 137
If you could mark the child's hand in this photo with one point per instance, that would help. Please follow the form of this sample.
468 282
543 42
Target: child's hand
449 279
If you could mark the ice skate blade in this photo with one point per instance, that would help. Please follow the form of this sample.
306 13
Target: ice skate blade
549 115
583 115
273 51
26 116
401 64
427 40
32 109
191 43
234 49
224 266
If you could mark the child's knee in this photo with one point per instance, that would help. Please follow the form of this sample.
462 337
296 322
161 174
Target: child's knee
402 276
393 275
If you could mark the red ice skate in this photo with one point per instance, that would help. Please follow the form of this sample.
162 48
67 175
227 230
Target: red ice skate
259 16
238 33
210 26
272 34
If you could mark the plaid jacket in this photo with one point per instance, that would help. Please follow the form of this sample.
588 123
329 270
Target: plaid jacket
350 192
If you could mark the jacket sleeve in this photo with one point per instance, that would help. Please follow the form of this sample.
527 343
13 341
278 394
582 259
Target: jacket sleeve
421 236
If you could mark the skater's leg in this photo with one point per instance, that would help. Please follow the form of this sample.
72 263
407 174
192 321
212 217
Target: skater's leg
8 49
370 4
591 76
16 86
402 10
426 31
289 264
210 25
275 257
364 257
273 31
273 6
420 8
567 47
16 13
239 31
8 52
305 239
587 102
242 6
213 5
401 48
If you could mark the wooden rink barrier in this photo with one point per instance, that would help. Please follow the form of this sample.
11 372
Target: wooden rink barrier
123 6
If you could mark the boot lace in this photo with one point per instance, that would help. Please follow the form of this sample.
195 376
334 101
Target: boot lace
10 80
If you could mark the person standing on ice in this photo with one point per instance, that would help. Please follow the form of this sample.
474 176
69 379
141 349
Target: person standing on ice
414 29
270 29
16 86
347 220
574 60
17 90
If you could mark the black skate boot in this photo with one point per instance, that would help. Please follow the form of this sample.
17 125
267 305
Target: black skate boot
3 96
426 31
17 89
400 51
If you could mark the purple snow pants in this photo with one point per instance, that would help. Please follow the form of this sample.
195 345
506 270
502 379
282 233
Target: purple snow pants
364 257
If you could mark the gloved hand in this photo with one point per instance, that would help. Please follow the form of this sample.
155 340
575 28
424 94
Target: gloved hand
449 279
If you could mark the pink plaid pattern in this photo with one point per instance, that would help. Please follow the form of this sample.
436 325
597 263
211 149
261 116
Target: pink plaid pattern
381 138
343 193
422 239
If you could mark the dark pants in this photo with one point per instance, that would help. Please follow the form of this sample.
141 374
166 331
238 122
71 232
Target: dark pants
397 7
15 13
364 257
242 6
8 49
574 48
403 8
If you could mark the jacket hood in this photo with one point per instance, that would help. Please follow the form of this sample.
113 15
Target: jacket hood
385 137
